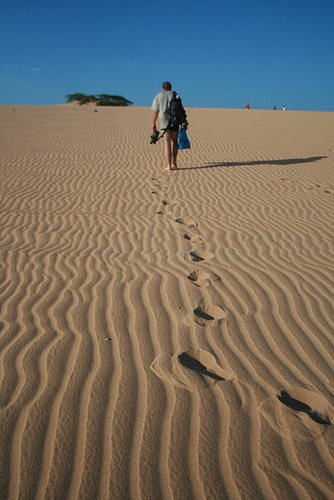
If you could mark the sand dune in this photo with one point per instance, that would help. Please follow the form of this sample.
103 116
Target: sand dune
166 335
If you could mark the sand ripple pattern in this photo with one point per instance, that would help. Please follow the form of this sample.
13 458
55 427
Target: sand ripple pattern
166 335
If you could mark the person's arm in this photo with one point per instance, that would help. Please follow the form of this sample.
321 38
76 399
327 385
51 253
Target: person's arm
155 116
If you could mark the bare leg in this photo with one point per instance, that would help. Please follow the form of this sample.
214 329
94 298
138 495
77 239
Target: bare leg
171 149
175 149
168 148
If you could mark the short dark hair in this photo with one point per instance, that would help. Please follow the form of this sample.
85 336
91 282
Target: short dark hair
167 86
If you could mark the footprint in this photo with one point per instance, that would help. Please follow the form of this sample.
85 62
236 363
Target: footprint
199 278
193 237
168 202
164 212
200 256
190 370
299 413
158 189
320 417
161 185
205 315
191 361
186 221
209 312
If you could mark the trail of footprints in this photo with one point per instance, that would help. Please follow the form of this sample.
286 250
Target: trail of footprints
324 189
204 314
203 363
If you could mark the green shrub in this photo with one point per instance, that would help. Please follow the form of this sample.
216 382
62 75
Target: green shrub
100 100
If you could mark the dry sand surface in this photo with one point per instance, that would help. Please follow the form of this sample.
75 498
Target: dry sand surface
166 335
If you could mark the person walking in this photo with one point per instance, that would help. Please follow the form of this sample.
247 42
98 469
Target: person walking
160 107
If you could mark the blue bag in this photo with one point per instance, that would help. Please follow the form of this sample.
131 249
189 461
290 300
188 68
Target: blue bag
183 139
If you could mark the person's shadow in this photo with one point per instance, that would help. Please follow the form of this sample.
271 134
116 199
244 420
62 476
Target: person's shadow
291 161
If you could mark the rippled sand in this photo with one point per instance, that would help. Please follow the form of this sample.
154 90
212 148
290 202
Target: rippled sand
166 335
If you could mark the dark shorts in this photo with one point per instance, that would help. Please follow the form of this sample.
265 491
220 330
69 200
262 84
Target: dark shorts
173 129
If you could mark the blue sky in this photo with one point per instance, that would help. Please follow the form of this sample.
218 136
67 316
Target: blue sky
216 53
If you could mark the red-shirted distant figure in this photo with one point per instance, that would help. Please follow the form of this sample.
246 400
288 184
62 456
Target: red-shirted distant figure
247 106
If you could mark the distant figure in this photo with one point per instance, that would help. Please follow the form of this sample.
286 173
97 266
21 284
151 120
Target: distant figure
284 108
247 106
160 106
274 108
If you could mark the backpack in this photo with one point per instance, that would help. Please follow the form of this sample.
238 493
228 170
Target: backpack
175 113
